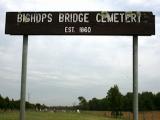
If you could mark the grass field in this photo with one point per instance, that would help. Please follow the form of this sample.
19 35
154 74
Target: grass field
52 116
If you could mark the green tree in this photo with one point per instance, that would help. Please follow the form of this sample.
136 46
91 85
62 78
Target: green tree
93 104
103 104
146 101
83 103
157 101
1 102
11 104
38 106
128 102
115 100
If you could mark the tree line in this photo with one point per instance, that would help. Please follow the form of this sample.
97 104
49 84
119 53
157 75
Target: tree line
116 102
11 104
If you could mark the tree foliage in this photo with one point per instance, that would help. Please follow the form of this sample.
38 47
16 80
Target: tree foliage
116 102
114 98
11 104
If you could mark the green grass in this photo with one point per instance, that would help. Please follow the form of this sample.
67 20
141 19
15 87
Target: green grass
52 116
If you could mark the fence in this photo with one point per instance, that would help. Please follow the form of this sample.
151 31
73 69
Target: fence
144 115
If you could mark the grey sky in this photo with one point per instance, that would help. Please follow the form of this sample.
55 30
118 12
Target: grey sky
61 68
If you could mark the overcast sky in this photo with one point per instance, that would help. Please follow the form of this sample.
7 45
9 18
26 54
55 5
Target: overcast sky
61 68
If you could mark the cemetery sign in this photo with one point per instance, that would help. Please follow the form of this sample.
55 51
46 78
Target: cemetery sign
80 23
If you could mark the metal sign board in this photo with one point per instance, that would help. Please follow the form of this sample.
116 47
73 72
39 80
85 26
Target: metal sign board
80 23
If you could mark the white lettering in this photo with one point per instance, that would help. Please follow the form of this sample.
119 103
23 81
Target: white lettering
34 17
61 17
115 17
67 17
26 17
49 17
139 17
69 29
128 17
44 16
133 17
109 17
19 17
73 17
85 29
101 17
97 17
81 17
122 15
38 18
86 17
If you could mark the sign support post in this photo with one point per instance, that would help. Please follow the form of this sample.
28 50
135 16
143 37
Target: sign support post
23 77
135 77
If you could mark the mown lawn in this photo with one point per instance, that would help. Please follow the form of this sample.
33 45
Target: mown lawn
52 116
